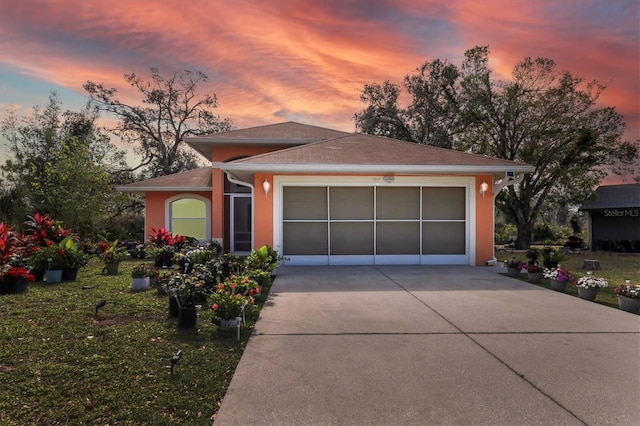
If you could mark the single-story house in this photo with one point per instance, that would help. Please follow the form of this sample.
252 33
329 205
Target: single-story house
321 196
614 218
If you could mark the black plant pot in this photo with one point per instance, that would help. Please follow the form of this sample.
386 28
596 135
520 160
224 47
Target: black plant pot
187 317
69 274
173 307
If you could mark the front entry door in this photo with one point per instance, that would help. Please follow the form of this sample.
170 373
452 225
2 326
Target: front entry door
240 215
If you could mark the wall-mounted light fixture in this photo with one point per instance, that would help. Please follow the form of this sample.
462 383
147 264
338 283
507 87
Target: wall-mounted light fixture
266 186
484 187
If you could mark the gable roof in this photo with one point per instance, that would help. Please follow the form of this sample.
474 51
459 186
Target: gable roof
286 134
622 196
363 153
191 180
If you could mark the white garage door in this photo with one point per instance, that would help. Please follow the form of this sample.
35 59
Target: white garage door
375 225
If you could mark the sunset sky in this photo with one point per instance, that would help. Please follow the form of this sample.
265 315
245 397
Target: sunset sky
277 60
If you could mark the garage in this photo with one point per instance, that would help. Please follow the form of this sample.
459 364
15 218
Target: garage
361 223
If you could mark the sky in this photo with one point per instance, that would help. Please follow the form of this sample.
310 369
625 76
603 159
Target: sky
271 61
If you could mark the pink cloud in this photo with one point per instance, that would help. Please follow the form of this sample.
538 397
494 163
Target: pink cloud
275 60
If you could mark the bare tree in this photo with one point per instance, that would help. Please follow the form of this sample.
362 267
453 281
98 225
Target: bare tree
171 109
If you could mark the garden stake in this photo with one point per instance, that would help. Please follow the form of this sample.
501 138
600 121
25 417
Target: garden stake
99 305
175 359
198 309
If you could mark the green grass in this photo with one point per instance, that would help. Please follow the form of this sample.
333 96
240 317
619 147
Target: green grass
615 268
62 364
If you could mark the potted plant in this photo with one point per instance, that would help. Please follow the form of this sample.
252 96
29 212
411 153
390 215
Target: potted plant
230 299
589 286
534 272
15 280
628 296
112 255
10 247
514 266
190 292
532 256
559 278
74 259
141 277
51 259
551 257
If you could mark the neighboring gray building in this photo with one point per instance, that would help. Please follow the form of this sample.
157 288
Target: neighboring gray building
614 218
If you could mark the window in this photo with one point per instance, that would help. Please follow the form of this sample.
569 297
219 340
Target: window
189 217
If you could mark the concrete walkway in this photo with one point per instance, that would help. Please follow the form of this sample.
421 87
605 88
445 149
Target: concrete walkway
432 345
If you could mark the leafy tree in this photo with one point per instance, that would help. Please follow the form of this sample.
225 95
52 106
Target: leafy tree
431 118
542 116
172 109
61 164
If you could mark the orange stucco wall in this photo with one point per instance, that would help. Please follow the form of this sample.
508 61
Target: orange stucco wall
227 153
263 211
484 211
484 221
155 211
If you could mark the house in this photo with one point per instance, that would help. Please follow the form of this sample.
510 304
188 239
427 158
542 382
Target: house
321 196
614 218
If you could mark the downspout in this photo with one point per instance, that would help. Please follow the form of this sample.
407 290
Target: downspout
253 193
499 185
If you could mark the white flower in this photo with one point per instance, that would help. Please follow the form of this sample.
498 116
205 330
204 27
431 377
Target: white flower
589 281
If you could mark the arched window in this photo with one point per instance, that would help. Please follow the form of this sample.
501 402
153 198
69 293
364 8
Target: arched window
189 215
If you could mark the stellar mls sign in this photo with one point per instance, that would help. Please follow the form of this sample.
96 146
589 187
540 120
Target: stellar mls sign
622 213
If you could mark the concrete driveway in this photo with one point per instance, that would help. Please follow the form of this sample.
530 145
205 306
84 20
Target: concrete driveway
432 345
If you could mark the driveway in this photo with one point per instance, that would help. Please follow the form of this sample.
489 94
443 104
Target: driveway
432 345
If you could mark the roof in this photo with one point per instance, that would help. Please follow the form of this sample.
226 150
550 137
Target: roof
287 134
191 180
622 196
363 153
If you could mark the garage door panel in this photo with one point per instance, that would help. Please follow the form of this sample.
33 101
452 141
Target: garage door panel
398 238
443 238
398 203
304 203
305 238
443 203
351 238
351 203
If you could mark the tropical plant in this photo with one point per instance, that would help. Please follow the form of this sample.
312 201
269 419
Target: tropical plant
551 255
533 255
48 258
73 257
264 258
232 295
16 274
10 246
113 253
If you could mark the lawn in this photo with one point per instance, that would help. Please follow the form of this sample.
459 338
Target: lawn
614 267
60 363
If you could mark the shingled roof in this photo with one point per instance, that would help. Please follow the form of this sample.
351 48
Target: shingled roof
362 153
624 196
192 180
286 134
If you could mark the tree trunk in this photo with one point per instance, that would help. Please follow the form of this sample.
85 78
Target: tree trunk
524 236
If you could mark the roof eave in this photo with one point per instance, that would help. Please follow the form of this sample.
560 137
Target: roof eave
164 189
374 168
